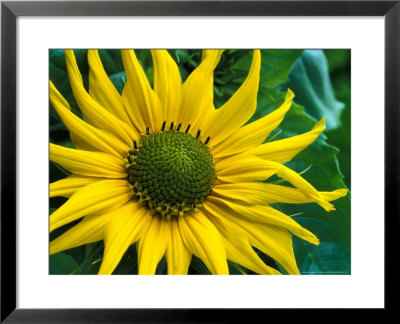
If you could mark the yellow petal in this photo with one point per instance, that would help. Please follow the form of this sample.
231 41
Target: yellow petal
255 133
275 242
125 226
89 230
91 164
284 150
197 91
83 135
203 240
103 90
257 193
68 186
141 102
96 198
178 256
56 96
237 244
94 113
262 214
272 240
299 182
212 52
238 109
167 84
208 112
153 244
333 195
242 169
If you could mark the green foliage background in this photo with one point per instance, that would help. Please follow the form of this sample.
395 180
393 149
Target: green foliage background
320 80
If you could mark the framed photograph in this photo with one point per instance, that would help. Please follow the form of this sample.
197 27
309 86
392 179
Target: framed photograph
183 156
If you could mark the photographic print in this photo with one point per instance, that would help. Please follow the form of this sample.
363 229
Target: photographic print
199 161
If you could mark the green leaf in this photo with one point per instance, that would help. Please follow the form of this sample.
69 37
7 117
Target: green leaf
235 64
162 267
197 266
326 258
61 263
111 60
340 137
128 263
92 257
311 83
276 65
324 231
337 58
324 174
234 268
112 63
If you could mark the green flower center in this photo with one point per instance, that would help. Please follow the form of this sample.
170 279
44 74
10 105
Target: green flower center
172 172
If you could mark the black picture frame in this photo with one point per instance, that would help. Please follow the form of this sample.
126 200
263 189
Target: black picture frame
10 10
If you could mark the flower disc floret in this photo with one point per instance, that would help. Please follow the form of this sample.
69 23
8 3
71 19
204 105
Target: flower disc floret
173 172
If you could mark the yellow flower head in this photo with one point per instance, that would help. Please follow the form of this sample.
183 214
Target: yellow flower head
161 167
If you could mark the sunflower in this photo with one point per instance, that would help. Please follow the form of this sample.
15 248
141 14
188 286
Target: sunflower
162 168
